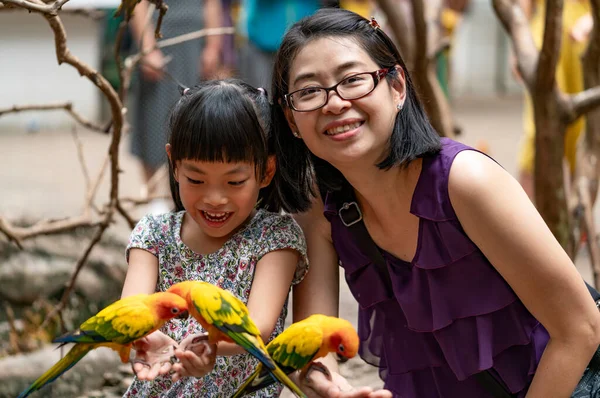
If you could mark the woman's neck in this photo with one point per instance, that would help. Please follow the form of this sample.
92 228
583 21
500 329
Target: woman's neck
384 193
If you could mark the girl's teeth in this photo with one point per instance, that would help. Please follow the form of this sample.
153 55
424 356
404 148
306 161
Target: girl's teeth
216 216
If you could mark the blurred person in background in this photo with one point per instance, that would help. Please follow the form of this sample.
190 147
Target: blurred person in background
262 24
153 92
569 78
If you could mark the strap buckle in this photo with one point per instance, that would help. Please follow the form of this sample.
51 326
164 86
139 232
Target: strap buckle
353 211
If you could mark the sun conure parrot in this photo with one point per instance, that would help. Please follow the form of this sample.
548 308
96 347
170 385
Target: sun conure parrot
300 344
226 318
117 326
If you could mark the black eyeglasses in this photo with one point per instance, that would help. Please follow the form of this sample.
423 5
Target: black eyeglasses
351 88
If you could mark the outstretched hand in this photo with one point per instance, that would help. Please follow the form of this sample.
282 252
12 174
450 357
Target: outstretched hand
315 383
154 355
196 357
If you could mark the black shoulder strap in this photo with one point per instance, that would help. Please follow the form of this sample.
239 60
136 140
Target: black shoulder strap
351 217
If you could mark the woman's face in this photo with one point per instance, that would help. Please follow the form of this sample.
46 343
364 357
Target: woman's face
343 131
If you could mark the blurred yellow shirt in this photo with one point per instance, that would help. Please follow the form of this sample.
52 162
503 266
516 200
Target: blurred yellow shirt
361 7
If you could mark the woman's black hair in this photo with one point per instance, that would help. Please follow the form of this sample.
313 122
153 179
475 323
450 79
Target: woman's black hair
225 121
412 136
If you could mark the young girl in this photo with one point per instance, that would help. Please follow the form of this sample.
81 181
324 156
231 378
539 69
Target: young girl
221 232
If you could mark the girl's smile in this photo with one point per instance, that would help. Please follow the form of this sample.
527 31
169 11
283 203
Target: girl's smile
215 219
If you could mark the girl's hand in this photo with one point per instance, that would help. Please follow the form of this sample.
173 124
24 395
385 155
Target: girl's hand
196 357
317 384
153 355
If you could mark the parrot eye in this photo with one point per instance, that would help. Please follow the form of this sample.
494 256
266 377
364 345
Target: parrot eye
174 310
341 348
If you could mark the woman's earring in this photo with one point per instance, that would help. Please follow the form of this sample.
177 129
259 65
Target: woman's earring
296 134
399 106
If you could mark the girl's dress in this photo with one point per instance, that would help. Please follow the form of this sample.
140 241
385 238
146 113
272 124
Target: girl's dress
569 78
231 268
450 314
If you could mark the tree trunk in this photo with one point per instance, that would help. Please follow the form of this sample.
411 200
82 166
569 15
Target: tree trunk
419 56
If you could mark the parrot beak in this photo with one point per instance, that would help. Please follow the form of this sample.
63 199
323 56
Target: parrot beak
183 315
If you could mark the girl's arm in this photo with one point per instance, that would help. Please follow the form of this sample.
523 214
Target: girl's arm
272 280
142 273
498 216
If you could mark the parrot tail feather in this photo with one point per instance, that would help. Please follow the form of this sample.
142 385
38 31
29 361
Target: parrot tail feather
66 363
255 346
242 390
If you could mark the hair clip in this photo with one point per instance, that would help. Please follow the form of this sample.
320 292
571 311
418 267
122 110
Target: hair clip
374 23
185 91
263 91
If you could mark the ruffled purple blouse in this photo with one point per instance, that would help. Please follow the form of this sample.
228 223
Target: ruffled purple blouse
450 315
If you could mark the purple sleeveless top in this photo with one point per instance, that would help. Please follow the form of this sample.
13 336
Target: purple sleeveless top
451 314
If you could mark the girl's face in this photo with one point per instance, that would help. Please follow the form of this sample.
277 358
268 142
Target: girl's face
219 197
343 131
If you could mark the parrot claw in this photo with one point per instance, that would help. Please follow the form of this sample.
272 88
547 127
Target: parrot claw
173 359
318 366
200 339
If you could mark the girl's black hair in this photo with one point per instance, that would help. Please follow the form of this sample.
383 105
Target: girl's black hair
225 121
412 136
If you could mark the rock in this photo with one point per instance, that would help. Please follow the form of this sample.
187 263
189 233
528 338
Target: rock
19 371
45 265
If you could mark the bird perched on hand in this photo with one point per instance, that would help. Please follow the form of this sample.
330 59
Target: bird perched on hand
300 344
117 326
226 318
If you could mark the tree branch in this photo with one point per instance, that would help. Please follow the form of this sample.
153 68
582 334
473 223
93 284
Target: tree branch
93 14
420 51
67 106
583 102
80 263
400 28
550 52
516 25
48 9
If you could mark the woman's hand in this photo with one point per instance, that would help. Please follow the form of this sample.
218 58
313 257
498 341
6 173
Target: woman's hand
315 383
153 355
196 357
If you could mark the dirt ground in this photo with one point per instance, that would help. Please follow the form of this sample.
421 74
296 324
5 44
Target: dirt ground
40 177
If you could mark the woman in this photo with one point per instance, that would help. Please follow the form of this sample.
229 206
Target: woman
473 284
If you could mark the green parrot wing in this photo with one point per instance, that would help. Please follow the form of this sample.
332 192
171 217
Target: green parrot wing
121 322
222 309
297 346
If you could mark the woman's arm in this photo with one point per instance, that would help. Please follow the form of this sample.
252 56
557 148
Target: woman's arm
270 287
211 55
152 64
319 293
498 216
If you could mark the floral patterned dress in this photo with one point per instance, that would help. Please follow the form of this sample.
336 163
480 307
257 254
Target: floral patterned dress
232 268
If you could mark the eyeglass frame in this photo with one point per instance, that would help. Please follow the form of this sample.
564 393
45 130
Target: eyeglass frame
376 75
